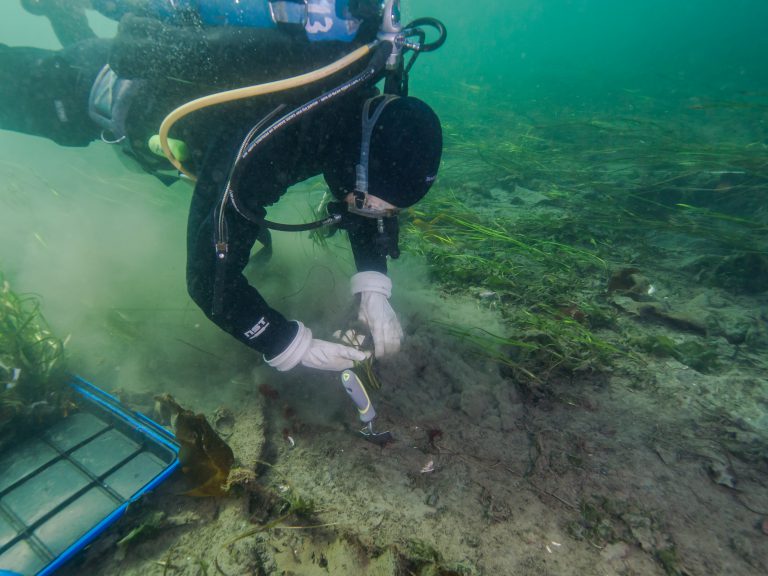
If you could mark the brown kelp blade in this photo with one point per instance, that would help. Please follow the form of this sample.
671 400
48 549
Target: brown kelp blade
205 458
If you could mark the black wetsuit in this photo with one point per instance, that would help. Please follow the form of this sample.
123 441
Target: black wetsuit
325 142
50 100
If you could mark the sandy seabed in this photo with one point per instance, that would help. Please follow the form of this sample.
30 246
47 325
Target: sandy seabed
642 469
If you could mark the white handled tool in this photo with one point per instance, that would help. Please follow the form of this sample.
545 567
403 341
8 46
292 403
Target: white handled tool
365 410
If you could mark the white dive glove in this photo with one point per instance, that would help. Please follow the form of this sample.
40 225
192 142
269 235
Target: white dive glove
315 353
375 311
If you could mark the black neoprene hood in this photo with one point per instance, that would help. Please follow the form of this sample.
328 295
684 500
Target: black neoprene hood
406 146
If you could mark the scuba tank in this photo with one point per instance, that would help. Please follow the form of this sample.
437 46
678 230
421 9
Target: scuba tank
330 20
322 20
250 13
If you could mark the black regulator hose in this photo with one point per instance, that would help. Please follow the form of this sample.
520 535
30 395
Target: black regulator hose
398 79
412 27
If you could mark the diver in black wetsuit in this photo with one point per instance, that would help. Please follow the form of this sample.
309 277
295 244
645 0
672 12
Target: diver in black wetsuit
378 153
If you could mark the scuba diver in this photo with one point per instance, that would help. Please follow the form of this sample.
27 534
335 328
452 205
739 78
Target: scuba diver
258 96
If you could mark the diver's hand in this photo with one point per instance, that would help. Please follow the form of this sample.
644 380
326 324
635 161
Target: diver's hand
318 354
376 312
324 355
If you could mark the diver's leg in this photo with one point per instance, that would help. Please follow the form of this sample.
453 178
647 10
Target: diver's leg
45 92
67 18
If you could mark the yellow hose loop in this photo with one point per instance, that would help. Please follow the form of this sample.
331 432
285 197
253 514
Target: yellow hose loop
250 92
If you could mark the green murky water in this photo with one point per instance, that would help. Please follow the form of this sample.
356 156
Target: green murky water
584 294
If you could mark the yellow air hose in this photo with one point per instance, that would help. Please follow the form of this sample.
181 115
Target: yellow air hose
250 92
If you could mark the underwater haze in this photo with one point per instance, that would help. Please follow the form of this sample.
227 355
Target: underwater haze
582 386
580 48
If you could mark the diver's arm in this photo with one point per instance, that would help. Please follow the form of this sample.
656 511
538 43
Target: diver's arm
221 290
373 288
364 243
219 287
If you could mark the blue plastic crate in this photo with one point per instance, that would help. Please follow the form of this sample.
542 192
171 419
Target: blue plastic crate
62 489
